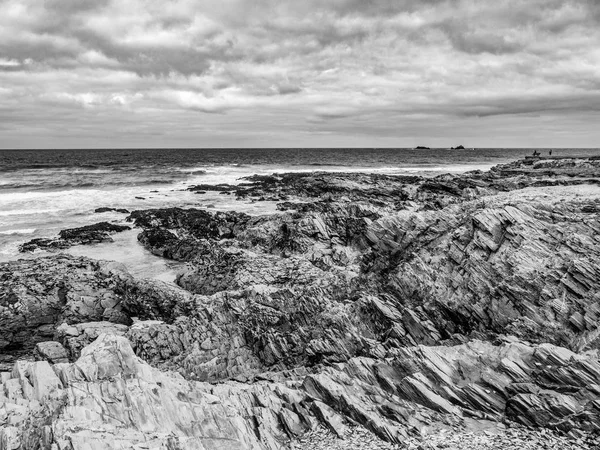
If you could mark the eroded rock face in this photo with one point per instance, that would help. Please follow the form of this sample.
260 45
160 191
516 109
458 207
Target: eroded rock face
498 265
36 296
408 305
110 398
543 386
520 263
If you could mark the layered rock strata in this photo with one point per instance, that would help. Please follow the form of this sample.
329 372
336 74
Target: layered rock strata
405 306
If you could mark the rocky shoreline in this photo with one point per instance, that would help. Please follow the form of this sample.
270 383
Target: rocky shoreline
371 311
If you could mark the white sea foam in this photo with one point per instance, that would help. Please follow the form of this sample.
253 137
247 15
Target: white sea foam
19 231
25 212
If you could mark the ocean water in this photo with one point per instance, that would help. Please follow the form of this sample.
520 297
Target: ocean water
45 191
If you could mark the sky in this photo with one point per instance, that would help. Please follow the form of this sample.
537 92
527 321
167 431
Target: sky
290 73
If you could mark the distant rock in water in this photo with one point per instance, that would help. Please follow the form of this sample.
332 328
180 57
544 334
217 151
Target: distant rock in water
460 147
421 147
105 209
90 234
202 188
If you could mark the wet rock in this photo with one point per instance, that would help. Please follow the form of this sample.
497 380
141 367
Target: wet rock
197 223
43 243
90 234
202 188
107 209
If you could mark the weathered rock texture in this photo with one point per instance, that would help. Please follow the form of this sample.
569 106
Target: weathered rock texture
36 296
411 306
89 234
111 398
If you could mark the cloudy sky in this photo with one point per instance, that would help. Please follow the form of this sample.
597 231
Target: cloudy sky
300 73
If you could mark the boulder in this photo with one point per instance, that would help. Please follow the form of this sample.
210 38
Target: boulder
51 351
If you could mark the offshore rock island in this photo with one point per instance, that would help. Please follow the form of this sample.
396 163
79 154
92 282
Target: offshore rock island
371 311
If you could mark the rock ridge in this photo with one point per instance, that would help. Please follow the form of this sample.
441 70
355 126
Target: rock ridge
403 308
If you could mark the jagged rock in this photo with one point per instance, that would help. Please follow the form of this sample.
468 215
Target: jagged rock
77 336
398 191
90 234
371 299
110 399
544 386
202 188
419 272
38 295
494 266
106 209
198 223
43 243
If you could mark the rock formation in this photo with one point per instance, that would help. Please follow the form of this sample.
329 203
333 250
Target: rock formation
108 209
89 234
402 308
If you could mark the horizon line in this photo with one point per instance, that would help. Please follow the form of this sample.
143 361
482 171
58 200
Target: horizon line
294 148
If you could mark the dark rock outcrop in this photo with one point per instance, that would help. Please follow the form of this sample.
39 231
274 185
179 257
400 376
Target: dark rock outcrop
202 188
197 223
89 234
107 209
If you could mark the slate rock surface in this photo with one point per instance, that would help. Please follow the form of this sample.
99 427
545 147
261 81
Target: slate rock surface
371 311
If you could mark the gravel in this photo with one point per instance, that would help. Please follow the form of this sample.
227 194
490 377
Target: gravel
508 438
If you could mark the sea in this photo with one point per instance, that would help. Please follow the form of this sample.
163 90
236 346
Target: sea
45 191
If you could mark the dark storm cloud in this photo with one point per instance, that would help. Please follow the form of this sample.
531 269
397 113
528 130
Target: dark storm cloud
295 64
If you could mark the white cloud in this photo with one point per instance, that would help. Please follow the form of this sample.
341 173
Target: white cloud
340 68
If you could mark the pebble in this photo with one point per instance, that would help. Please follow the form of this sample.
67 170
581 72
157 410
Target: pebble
514 438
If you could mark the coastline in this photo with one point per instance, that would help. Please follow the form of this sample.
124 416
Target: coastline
413 306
